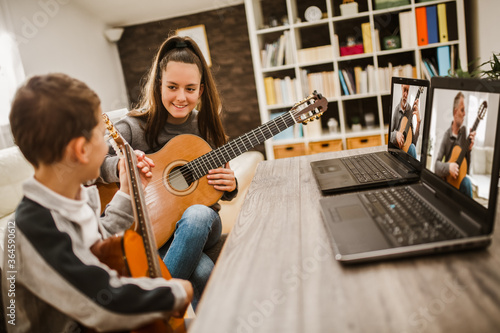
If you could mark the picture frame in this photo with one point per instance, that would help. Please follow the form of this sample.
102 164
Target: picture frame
198 34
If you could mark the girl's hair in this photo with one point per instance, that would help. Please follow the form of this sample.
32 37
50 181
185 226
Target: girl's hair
151 109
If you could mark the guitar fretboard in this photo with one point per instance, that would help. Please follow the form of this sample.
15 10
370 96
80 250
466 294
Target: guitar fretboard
220 156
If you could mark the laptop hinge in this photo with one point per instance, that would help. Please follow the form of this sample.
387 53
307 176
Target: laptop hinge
430 188
473 223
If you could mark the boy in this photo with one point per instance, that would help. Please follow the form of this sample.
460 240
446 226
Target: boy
59 284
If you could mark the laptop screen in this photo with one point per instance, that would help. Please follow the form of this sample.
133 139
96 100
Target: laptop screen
462 136
408 105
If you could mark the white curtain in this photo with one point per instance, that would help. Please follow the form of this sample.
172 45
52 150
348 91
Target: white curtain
11 71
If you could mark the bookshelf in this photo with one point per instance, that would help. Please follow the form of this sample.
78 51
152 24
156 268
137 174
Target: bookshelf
332 54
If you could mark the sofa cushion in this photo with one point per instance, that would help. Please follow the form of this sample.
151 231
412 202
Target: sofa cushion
14 170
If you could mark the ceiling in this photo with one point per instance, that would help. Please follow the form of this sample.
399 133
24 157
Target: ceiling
129 12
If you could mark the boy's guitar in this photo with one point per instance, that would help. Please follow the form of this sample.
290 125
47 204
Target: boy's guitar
458 152
179 177
405 126
135 253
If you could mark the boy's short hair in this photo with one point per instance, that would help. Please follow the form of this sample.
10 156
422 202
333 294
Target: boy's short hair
49 111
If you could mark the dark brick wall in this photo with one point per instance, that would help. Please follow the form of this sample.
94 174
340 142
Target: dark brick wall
229 45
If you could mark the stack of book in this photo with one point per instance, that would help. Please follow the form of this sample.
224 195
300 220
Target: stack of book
278 53
281 91
357 80
324 82
315 54
444 59
385 75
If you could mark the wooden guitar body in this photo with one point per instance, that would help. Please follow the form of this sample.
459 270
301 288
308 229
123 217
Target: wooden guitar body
455 153
126 254
405 129
169 193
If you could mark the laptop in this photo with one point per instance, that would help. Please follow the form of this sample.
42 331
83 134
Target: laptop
444 211
401 163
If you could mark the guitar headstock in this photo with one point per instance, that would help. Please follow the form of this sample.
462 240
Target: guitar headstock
117 141
482 110
310 108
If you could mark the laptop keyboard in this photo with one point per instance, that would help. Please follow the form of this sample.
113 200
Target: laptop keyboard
406 218
369 167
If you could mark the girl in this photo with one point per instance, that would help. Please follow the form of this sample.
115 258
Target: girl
178 81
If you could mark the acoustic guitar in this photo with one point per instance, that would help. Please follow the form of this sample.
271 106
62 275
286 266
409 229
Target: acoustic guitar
406 123
179 177
458 152
135 253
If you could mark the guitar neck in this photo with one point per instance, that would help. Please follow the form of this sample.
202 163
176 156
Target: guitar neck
409 116
144 227
220 156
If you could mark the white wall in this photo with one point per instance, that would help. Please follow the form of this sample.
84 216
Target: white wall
483 33
58 36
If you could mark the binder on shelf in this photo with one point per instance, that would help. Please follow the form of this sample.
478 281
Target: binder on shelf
421 18
443 59
451 18
442 23
367 37
432 24
343 84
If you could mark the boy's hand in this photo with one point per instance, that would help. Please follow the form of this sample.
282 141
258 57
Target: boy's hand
189 291
144 164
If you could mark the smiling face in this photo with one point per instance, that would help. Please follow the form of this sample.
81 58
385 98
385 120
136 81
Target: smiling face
181 89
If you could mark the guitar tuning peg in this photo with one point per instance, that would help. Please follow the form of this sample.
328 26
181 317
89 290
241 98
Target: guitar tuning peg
317 117
305 122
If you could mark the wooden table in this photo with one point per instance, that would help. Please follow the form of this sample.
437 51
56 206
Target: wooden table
277 272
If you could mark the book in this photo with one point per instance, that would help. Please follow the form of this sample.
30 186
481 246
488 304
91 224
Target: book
443 59
432 24
269 86
406 29
442 23
367 37
343 84
357 78
349 80
451 18
421 18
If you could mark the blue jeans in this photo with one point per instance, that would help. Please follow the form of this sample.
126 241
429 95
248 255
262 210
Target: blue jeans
198 229
412 150
466 186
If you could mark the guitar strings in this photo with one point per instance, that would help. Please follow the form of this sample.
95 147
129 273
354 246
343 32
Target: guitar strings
201 162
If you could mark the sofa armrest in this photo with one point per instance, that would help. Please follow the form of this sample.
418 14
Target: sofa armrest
244 167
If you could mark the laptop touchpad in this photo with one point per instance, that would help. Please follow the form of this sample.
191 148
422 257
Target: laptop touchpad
352 212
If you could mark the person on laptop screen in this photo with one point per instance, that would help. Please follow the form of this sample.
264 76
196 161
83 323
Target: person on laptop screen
456 142
403 133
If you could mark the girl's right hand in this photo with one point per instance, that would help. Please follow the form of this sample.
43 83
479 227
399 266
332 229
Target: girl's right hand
144 164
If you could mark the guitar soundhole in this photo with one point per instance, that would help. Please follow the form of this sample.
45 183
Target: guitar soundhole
178 178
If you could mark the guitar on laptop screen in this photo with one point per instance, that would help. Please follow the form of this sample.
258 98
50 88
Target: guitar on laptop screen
461 149
407 123
179 178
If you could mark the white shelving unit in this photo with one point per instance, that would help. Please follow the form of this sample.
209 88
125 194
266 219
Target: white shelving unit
332 28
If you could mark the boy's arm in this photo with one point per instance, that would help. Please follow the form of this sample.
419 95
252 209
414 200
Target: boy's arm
57 269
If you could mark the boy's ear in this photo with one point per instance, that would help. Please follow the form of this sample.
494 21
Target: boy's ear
78 150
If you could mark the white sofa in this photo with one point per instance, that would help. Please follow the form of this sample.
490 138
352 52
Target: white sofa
15 170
